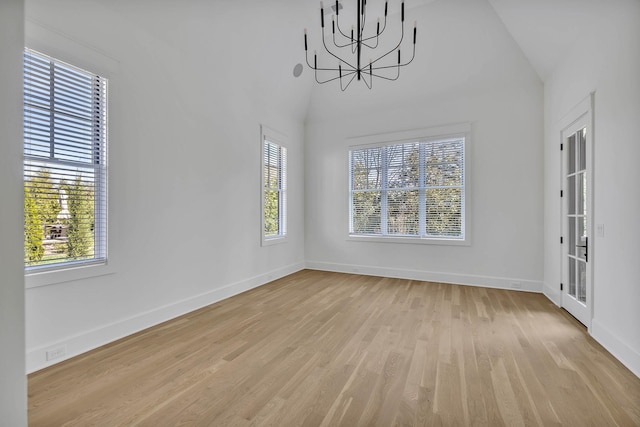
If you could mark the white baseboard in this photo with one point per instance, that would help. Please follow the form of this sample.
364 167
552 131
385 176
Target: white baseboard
618 348
431 276
553 294
89 340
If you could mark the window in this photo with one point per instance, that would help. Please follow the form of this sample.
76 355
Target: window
274 187
65 175
411 189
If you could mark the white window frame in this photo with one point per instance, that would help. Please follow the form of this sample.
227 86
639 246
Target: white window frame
462 130
268 135
66 50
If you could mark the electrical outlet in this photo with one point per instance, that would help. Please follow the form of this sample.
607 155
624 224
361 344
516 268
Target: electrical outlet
56 353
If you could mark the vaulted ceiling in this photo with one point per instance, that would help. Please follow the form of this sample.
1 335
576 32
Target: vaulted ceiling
545 30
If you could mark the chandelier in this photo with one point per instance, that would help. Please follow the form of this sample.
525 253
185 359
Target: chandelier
349 47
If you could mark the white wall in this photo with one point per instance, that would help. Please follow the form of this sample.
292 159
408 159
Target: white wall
189 85
467 69
13 382
605 61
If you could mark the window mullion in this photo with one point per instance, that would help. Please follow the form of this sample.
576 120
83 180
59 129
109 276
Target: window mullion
384 184
99 207
279 189
422 196
52 96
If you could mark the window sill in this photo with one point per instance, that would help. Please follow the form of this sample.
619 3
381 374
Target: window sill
409 240
35 279
269 241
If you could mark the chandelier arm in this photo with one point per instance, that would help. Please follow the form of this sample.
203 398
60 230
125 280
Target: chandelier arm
333 78
306 57
378 31
369 83
315 67
377 36
395 48
343 45
398 65
340 29
332 54
350 80
335 23
384 27
371 46
388 78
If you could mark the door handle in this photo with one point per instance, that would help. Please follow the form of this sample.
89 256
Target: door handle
586 249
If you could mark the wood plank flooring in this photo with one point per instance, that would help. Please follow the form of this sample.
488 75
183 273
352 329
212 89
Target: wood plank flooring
327 349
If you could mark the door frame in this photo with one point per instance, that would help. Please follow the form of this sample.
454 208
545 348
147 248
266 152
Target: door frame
582 112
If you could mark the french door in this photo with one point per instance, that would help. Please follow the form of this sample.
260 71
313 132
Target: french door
577 216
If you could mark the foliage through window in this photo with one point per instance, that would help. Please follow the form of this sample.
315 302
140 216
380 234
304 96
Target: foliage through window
274 189
65 138
413 189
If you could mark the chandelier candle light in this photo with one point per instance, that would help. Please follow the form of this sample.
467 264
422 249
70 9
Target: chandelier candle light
353 45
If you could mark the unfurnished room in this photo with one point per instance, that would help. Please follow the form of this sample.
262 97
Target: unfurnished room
305 213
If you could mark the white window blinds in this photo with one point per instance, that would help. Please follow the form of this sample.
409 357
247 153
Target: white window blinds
411 189
65 142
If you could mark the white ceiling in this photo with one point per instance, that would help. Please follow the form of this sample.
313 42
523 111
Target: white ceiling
545 30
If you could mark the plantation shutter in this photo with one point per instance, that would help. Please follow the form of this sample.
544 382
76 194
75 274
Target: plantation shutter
64 162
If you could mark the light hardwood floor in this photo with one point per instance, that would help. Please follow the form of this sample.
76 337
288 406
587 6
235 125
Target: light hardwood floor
328 349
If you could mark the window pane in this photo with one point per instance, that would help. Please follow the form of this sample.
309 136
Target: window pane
271 213
444 211
571 200
366 212
572 236
366 169
451 174
582 148
403 166
444 163
571 156
581 237
403 212
582 282
572 277
581 192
